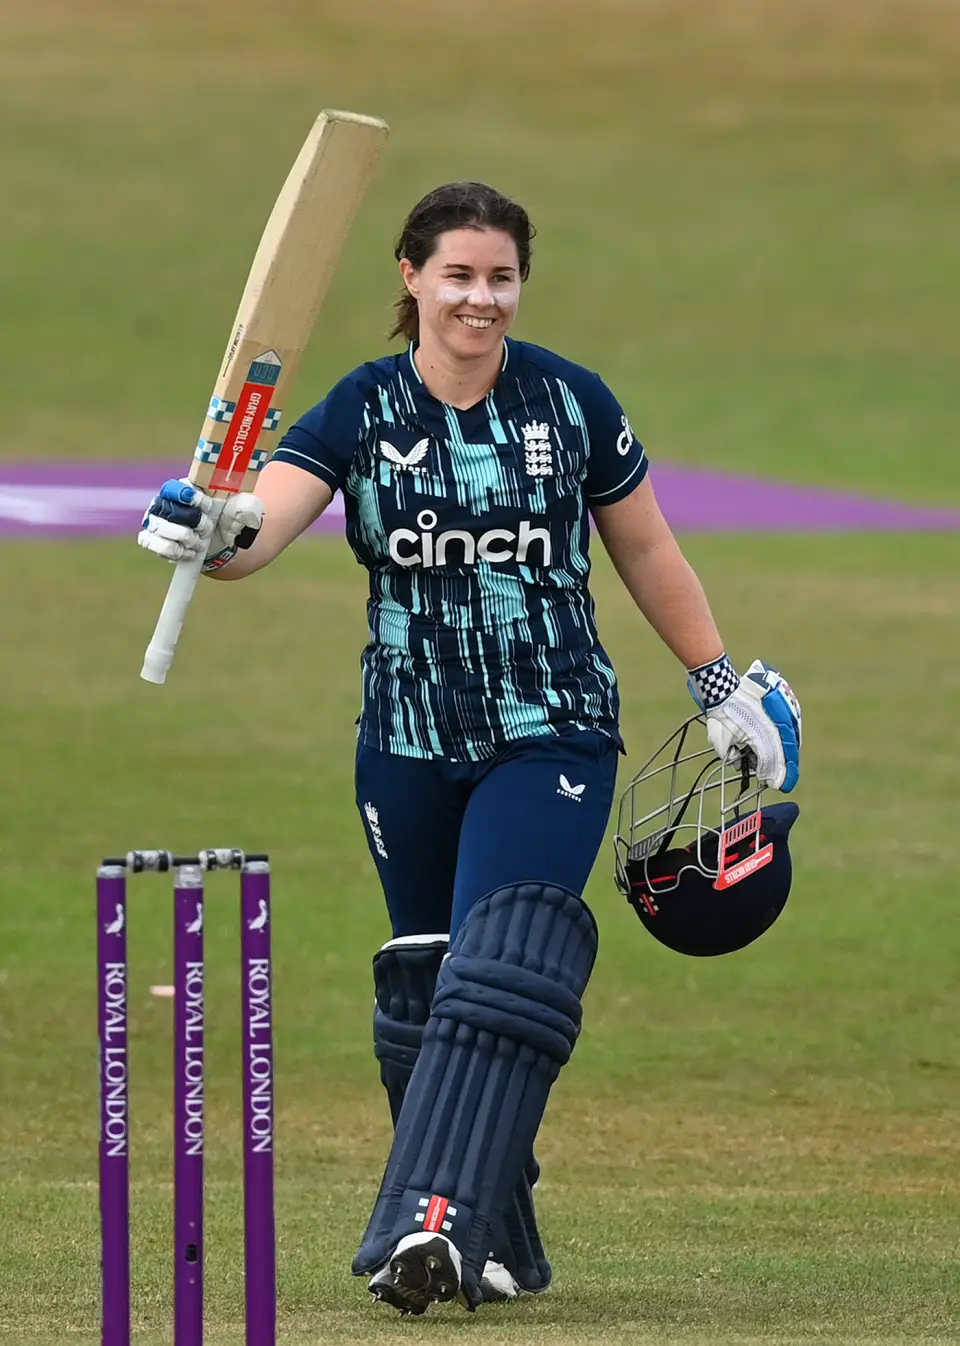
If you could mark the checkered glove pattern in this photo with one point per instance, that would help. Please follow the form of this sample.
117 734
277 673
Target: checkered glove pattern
712 683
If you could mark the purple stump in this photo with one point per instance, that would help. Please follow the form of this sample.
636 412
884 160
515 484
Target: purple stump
114 1103
259 1222
188 1084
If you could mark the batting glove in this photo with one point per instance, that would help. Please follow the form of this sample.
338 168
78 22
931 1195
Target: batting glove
182 523
757 713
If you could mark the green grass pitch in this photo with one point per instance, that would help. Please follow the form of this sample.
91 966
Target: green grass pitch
747 219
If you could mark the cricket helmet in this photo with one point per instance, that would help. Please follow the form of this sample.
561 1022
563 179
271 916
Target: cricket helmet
701 859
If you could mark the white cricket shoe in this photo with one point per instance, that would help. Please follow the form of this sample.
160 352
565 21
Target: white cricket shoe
497 1283
423 1269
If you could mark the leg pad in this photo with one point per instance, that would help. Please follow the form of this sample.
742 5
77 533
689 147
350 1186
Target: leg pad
405 977
505 1018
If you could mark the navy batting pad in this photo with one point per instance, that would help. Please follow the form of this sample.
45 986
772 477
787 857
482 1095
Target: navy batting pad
505 1018
405 977
405 974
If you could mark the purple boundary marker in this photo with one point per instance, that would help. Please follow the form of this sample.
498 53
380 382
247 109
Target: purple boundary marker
95 472
49 499
703 501
258 1105
113 1029
188 1105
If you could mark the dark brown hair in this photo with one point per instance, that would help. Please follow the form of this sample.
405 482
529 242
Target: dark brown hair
455 205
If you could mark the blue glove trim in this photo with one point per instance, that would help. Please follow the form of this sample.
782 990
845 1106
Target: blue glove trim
173 503
692 689
179 491
781 714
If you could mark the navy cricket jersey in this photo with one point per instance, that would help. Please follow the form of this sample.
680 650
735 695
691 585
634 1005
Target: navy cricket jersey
474 528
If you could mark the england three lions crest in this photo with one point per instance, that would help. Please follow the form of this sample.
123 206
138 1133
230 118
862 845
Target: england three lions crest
537 449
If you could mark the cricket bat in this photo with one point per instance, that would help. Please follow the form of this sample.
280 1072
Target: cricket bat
290 275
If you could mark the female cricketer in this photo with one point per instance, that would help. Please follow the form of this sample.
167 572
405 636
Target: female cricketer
471 466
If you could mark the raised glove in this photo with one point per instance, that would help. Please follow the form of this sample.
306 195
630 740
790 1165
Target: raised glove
182 522
757 713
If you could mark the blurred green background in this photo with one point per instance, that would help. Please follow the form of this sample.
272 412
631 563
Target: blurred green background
747 217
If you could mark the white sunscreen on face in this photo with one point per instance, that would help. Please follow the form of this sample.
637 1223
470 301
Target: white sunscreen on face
480 294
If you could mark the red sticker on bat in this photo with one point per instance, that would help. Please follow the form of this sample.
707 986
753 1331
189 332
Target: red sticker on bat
245 426
246 423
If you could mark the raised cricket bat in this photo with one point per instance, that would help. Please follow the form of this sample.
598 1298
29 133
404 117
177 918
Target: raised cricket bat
291 272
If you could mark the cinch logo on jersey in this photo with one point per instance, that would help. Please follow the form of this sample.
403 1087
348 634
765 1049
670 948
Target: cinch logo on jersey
625 438
455 546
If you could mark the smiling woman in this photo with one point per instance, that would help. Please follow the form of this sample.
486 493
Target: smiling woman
470 465
464 253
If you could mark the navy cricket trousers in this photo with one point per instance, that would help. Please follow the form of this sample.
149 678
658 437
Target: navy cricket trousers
443 834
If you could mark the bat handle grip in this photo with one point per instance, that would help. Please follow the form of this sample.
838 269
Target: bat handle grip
160 651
